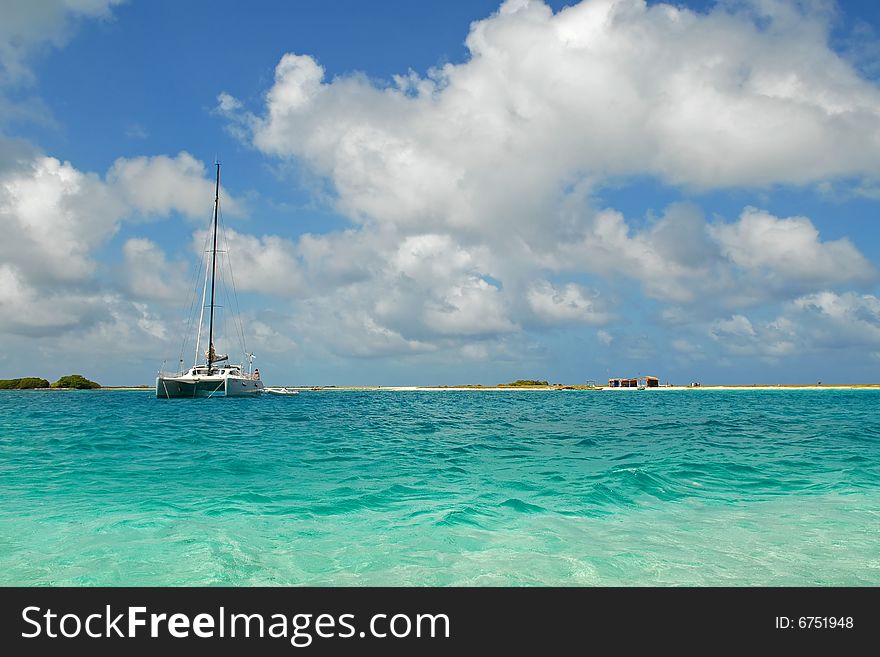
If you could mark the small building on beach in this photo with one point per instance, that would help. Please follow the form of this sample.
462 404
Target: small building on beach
638 382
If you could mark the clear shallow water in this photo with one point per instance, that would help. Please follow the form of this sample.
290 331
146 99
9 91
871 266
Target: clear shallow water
441 488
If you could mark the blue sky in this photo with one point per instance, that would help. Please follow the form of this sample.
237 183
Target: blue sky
441 193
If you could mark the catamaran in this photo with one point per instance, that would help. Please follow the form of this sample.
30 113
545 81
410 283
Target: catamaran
216 376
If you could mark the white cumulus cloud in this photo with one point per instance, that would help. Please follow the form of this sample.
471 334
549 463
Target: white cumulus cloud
471 187
566 304
790 248
27 26
608 86
53 217
829 322
159 184
150 276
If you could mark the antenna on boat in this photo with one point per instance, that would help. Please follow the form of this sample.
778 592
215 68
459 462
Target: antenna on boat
210 358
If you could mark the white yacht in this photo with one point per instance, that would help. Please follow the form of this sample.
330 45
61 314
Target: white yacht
209 381
215 377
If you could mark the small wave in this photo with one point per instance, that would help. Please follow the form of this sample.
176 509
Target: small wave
523 507
602 495
467 515
251 498
333 458
673 425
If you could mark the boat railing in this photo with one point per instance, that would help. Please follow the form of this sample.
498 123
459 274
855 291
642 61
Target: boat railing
253 376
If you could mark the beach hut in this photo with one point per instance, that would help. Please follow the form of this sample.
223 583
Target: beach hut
649 381
623 383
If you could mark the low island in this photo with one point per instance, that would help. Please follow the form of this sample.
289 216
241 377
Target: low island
69 382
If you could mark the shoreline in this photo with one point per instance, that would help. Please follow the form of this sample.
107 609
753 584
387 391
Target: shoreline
559 388
567 388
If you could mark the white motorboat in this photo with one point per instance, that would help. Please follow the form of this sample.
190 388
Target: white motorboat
274 390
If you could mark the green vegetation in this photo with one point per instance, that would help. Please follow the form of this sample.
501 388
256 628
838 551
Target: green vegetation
75 381
524 383
26 383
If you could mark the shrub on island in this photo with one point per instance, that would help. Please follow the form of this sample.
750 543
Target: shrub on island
522 383
75 381
26 383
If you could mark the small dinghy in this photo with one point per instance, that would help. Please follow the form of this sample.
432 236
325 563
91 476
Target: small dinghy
280 391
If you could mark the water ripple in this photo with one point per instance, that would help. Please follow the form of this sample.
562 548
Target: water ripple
471 488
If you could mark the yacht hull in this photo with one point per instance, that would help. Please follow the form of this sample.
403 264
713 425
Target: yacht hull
209 386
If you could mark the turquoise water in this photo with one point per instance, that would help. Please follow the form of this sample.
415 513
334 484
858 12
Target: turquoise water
441 488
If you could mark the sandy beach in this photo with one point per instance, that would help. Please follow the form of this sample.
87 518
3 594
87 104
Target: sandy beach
581 388
558 388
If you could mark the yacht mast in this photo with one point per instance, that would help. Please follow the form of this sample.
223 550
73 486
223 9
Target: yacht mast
213 270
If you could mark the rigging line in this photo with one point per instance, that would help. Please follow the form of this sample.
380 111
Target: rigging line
190 314
202 306
237 309
229 305
237 320
235 325
194 285
223 313
223 290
